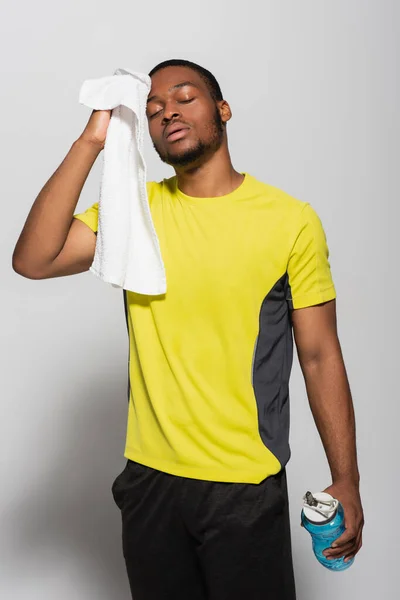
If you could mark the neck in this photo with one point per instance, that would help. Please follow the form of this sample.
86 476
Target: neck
215 177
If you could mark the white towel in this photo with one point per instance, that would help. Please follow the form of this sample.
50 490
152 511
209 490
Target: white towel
127 251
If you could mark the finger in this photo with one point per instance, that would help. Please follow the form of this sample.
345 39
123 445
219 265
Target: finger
339 551
351 554
351 548
342 551
348 536
349 557
344 542
359 538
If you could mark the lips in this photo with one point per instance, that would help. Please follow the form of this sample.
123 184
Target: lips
172 131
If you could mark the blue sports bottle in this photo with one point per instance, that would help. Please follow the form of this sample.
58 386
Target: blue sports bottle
323 517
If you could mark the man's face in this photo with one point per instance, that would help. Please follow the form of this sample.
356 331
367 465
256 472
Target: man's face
185 123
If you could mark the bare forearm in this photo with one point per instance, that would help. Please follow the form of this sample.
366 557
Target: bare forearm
332 408
47 225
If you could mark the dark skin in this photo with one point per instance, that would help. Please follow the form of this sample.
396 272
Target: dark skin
212 173
321 361
202 163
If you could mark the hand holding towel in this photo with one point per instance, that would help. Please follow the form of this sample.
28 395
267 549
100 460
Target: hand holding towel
127 253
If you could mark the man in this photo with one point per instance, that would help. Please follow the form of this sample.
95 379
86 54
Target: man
203 495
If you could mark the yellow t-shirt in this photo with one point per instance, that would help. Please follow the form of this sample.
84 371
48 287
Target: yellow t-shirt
210 360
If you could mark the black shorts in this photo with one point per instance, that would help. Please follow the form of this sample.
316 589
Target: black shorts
190 539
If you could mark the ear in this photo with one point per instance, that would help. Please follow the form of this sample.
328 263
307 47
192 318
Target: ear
224 111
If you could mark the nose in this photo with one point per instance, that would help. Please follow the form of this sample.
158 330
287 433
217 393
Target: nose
170 112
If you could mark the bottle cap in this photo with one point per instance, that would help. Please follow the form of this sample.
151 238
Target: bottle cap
319 507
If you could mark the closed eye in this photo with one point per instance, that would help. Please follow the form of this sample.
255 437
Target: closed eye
154 115
180 102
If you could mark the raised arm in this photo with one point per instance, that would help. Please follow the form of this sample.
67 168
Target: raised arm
52 243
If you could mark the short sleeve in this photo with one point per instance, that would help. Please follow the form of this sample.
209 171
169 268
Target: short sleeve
90 216
309 273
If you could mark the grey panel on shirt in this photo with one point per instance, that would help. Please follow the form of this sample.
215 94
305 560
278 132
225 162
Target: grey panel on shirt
272 363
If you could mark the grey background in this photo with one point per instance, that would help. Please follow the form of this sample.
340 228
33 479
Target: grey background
314 90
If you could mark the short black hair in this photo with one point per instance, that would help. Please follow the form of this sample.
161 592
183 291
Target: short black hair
208 78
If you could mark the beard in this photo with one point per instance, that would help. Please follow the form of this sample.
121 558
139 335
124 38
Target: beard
200 150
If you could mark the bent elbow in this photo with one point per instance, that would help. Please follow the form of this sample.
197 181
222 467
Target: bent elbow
22 269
